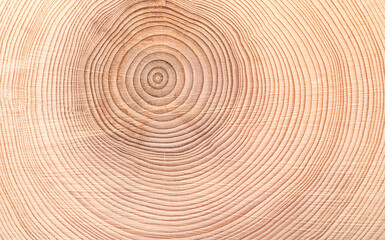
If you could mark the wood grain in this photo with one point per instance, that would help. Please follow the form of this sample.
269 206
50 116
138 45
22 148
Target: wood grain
192 119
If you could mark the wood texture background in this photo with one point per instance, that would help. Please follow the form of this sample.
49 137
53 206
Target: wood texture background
192 119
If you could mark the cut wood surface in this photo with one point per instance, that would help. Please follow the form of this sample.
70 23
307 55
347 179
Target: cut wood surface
192 119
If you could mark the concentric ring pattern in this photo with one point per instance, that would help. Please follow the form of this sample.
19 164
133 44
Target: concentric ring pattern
202 119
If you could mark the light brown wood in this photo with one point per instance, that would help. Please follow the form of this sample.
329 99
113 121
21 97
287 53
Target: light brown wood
192 119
